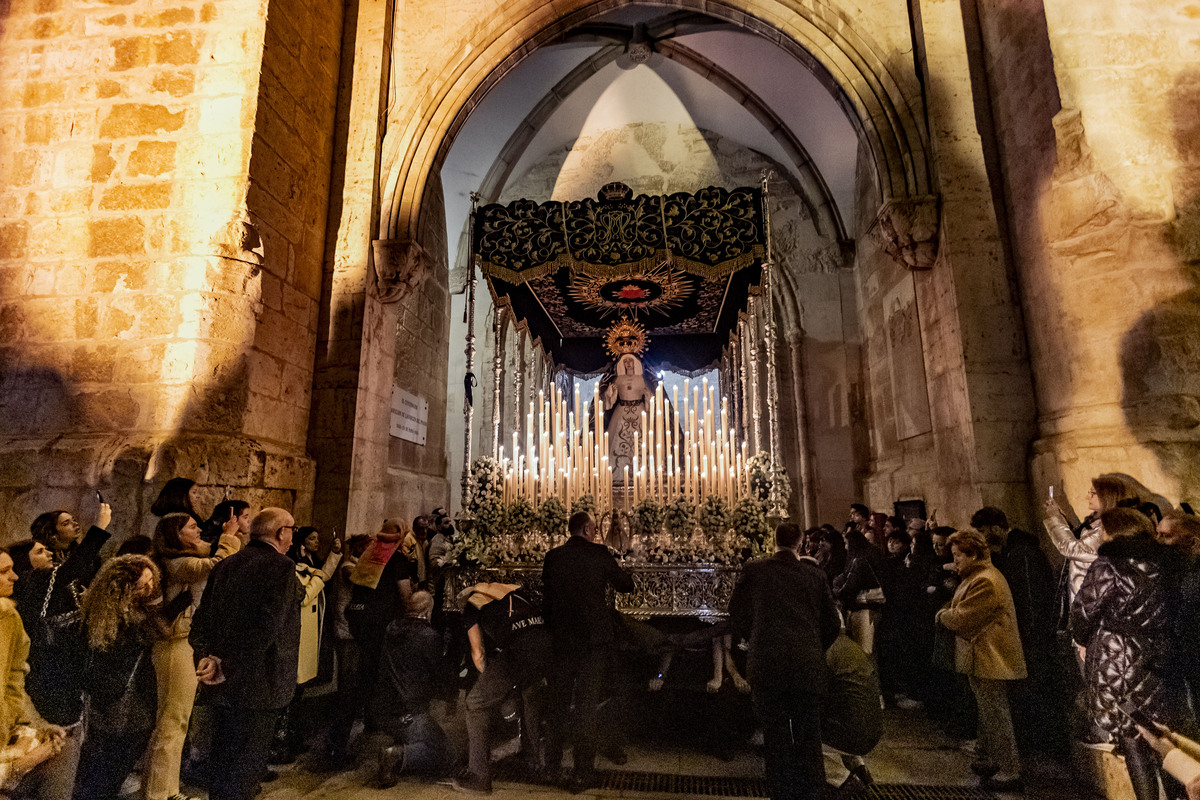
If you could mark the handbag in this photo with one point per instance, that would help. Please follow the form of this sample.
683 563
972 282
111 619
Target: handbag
871 597
133 708
943 654
57 630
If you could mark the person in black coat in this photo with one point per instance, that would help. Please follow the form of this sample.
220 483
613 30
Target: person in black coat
46 596
864 566
412 670
575 579
1123 615
1181 532
783 606
246 638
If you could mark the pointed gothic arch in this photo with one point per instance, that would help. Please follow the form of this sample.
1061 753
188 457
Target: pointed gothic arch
881 98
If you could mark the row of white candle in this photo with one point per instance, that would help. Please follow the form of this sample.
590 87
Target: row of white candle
563 456
679 451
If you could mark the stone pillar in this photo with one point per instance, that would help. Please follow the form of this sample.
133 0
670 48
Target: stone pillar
352 384
971 322
1097 119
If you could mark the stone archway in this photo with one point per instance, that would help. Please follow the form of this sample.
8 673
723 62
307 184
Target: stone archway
864 56
881 93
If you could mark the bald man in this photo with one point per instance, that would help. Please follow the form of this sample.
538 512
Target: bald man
246 639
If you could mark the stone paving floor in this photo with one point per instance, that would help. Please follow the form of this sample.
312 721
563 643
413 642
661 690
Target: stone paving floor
912 752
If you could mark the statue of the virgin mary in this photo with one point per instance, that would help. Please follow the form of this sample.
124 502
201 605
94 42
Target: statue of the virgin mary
627 389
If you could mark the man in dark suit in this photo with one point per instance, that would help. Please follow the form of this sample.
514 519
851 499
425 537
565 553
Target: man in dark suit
246 640
575 578
783 606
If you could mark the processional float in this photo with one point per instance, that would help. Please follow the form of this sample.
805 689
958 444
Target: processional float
685 484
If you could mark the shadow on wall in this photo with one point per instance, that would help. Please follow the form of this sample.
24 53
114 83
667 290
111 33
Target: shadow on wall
1160 355
61 447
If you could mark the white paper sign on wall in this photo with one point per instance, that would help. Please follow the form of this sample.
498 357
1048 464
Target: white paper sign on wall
410 416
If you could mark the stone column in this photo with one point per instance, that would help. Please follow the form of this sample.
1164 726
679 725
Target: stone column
1096 116
970 314
159 264
352 384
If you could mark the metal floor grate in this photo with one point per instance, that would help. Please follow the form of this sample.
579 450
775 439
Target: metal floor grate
709 786
905 791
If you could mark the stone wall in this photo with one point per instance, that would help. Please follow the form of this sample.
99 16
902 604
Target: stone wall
147 277
1096 111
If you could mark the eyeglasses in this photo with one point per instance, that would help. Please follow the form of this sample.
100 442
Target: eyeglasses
292 528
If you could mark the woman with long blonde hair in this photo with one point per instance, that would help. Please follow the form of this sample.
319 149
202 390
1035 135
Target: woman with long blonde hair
120 623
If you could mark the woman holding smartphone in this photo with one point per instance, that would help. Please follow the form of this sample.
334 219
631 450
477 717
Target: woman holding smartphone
183 557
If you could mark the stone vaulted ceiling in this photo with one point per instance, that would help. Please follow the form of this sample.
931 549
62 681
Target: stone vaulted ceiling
629 80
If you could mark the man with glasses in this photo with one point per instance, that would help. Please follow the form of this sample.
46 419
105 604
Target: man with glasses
246 638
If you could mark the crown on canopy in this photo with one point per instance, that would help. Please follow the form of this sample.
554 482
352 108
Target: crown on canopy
625 336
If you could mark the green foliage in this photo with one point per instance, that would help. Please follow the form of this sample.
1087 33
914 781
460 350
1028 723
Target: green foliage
519 518
714 517
751 526
552 519
585 503
648 518
680 516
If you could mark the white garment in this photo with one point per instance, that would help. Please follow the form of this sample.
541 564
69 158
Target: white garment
1080 553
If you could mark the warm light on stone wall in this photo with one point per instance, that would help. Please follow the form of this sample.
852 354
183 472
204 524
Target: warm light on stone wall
134 296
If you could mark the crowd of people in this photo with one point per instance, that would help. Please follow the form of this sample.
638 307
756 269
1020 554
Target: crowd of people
184 658
977 628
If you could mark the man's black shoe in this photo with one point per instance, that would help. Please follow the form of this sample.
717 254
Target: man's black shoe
851 787
984 769
471 783
617 755
391 760
580 782
281 755
863 774
1013 785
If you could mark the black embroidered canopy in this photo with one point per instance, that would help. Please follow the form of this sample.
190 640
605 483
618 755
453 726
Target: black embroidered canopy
680 264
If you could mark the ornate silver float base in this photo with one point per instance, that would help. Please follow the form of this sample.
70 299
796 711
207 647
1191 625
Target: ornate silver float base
661 590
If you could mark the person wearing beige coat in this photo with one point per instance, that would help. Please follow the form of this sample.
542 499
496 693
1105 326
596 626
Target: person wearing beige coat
182 555
312 611
988 651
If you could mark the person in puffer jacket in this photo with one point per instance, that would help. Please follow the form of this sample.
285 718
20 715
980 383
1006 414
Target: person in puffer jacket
1123 615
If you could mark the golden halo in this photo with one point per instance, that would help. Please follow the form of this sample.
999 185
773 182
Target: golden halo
626 336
